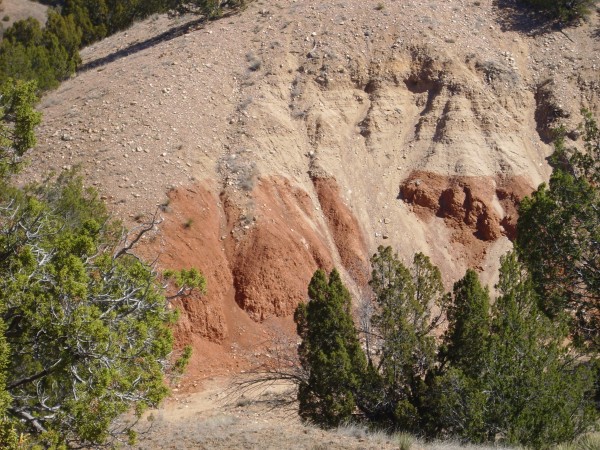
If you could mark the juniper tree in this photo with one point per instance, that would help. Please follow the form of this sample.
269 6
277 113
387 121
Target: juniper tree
559 236
456 398
468 325
403 324
85 326
539 393
330 352
509 376
46 55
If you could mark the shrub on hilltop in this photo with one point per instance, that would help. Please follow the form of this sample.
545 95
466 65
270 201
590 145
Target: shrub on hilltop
45 55
50 54
564 10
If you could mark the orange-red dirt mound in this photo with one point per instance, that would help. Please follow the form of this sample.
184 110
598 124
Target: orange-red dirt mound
477 209
189 237
196 233
258 250
275 259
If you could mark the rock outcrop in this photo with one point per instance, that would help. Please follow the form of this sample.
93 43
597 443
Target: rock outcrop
484 208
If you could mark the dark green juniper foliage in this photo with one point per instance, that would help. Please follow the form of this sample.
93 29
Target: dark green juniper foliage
504 375
538 393
456 400
403 323
559 236
468 325
47 56
330 352
100 18
516 379
564 10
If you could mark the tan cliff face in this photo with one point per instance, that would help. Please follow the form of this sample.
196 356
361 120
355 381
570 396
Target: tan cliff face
301 135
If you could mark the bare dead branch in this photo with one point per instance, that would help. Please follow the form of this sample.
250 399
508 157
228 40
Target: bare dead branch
133 237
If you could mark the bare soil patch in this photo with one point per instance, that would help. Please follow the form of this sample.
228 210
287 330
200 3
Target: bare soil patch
217 419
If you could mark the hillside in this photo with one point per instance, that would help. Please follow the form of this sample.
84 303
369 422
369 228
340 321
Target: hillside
298 135
13 10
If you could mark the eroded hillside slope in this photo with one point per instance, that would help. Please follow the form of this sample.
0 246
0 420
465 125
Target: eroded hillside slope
303 134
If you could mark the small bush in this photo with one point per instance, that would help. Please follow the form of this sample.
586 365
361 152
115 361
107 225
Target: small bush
405 441
243 402
245 103
587 442
255 63
564 10
6 18
164 206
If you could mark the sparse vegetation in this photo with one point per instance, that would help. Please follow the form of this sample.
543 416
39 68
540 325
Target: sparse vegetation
405 441
564 10
254 62
245 103
589 441
247 178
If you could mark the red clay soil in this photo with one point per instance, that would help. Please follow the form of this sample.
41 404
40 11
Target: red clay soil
222 335
190 235
467 206
346 231
258 259
274 261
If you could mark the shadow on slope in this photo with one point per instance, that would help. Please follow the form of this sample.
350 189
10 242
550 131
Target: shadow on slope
513 15
168 35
